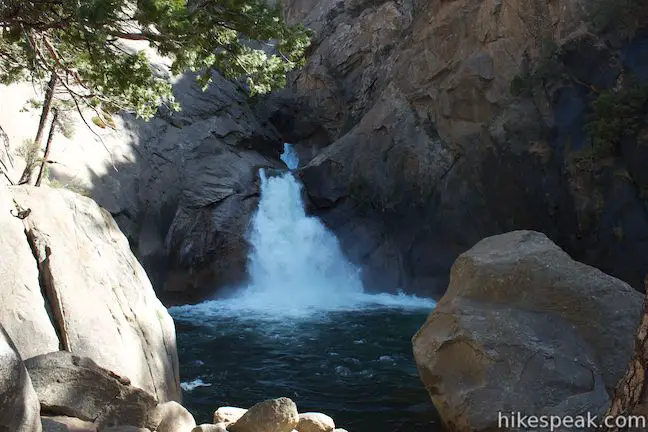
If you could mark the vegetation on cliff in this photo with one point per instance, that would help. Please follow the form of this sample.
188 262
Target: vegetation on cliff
86 49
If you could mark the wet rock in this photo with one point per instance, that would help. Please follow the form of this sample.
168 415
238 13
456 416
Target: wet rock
525 328
77 387
274 415
174 418
20 410
315 422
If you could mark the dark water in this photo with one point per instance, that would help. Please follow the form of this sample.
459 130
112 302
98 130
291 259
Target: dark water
355 366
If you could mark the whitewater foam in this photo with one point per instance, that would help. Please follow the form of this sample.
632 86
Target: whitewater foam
191 385
296 265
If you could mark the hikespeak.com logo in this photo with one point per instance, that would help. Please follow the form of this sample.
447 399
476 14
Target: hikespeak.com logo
518 420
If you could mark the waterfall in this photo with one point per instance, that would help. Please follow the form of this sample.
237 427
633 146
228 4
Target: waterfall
296 261
296 265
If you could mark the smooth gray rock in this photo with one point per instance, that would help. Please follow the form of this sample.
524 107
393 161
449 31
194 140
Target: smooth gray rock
75 386
20 410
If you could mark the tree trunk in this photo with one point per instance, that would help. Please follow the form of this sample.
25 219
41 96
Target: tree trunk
631 391
28 173
48 147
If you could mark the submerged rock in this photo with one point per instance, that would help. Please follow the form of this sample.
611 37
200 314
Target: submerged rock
525 328
19 407
315 422
274 415
77 387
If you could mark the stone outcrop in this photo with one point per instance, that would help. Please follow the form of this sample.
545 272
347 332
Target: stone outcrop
94 298
525 328
74 386
429 148
20 410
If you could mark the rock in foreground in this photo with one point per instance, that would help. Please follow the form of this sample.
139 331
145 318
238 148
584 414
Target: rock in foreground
228 414
75 386
174 418
19 408
315 422
274 415
524 328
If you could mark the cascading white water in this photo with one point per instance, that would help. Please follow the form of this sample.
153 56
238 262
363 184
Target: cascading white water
296 265
296 262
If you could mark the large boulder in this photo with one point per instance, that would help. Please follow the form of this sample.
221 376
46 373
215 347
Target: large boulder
100 302
525 328
72 386
20 410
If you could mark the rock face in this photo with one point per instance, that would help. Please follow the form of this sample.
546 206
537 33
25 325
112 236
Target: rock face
20 410
181 187
23 311
98 298
76 387
428 148
524 328
274 415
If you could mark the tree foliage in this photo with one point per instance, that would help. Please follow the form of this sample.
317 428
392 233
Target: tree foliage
82 43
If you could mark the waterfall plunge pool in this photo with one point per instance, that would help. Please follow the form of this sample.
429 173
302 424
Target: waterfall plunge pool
304 328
